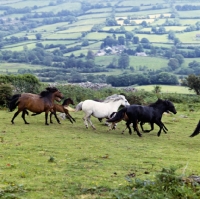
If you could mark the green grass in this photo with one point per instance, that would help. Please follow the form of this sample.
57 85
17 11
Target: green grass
188 37
154 38
59 161
167 89
191 13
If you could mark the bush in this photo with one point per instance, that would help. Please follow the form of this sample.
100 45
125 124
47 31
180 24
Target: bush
5 92
167 184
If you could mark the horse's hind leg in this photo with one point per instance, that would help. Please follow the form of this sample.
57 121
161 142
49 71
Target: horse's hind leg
23 116
146 131
46 118
15 115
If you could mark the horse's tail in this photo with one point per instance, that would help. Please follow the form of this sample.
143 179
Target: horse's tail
118 116
196 131
14 102
79 107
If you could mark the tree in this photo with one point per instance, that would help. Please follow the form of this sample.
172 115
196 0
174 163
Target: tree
171 35
180 58
193 82
144 40
129 35
5 91
121 40
157 89
136 40
38 36
90 55
85 43
123 61
173 63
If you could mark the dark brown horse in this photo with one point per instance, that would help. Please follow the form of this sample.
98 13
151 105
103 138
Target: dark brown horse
60 108
43 102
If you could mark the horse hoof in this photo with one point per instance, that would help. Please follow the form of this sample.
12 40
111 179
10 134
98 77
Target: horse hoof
27 123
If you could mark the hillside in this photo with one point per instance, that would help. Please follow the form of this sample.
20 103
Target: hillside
61 40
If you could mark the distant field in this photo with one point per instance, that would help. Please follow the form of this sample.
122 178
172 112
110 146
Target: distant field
191 13
63 36
167 89
29 3
158 22
14 67
77 29
137 3
150 62
60 7
136 62
189 21
99 10
127 28
97 15
3 2
153 37
142 13
31 45
51 27
99 35
188 37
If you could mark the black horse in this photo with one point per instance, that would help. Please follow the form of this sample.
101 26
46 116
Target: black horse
196 131
125 118
145 114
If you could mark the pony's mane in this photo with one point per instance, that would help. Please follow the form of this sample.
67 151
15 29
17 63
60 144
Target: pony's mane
156 103
48 91
114 98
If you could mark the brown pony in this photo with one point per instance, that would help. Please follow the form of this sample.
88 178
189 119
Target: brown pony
61 108
43 102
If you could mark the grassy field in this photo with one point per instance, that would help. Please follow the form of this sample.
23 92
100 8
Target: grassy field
14 67
167 89
63 160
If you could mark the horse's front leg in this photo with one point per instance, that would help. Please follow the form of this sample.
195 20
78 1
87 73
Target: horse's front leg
23 116
135 126
55 117
128 126
165 128
160 124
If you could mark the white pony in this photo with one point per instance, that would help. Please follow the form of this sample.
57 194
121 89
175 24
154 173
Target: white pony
101 109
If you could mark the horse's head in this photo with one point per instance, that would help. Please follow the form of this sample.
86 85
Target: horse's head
124 101
56 93
170 106
68 101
